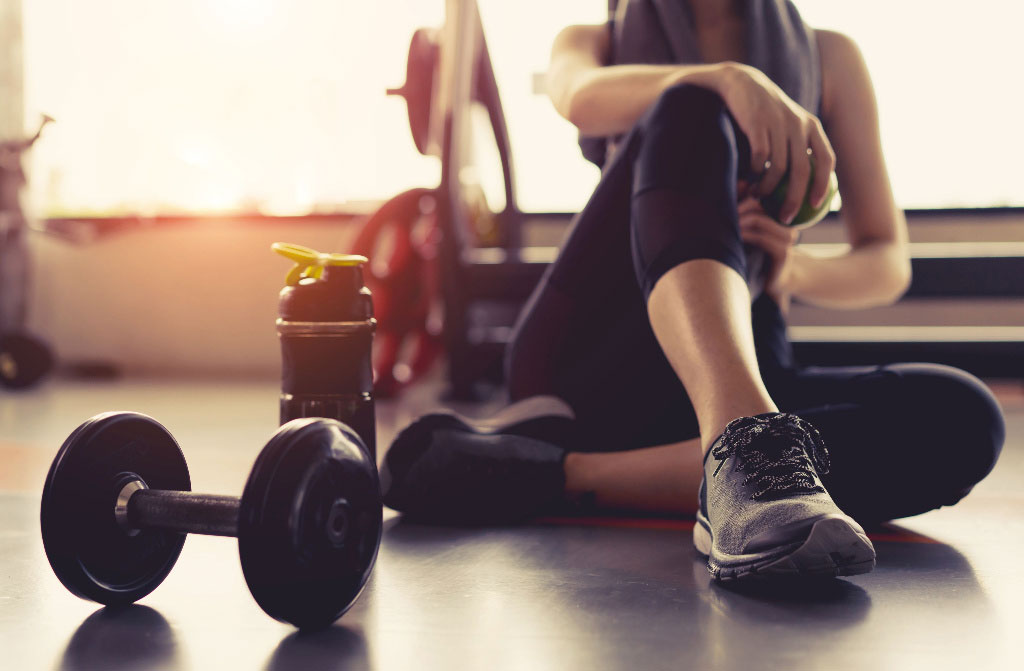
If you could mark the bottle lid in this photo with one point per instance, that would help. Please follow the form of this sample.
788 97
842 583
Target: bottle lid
311 263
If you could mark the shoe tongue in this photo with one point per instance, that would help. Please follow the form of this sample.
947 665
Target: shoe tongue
773 439
774 445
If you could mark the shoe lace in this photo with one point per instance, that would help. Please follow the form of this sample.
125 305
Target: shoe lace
782 454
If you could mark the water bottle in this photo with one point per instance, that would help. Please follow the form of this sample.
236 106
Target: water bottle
325 325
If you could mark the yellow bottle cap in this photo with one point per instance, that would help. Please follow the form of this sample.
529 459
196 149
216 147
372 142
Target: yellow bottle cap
311 263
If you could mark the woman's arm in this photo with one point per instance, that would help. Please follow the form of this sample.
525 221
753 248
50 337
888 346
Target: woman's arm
876 269
605 100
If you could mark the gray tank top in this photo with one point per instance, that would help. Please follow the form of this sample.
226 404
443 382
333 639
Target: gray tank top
778 43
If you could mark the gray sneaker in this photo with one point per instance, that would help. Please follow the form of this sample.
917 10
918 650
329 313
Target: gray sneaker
763 510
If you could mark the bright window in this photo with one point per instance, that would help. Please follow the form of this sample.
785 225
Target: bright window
220 105
278 105
946 75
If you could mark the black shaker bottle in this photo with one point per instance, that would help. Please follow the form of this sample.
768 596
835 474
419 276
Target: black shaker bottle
325 325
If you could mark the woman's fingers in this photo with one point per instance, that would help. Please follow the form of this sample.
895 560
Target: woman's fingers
776 251
792 146
775 167
799 175
824 163
748 205
764 228
760 149
780 134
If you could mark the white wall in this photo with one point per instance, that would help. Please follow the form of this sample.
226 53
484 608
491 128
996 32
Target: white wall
11 105
191 298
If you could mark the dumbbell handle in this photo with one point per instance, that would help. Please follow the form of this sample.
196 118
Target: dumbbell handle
139 507
188 512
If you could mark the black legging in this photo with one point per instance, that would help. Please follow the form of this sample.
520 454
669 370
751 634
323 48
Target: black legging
904 438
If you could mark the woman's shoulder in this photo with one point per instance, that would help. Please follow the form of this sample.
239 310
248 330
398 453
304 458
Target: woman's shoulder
584 32
842 66
592 39
834 44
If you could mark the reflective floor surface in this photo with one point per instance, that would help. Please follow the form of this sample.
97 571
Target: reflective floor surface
591 594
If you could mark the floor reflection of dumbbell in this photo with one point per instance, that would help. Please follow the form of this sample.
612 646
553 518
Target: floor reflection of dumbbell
117 504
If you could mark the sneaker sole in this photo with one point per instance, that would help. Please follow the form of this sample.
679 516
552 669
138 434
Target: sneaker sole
832 548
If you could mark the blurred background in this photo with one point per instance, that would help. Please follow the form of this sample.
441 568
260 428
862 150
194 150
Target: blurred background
277 107
192 134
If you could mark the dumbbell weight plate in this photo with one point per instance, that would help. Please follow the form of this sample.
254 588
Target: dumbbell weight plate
420 71
90 553
310 522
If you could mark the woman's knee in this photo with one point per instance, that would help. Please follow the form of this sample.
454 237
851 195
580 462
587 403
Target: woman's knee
958 415
687 135
686 101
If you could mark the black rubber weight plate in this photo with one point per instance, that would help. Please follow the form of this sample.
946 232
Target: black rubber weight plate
310 522
88 551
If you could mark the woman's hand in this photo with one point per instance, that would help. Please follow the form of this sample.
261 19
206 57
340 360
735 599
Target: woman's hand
782 136
757 228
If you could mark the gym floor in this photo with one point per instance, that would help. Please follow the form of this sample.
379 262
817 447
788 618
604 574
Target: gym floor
610 593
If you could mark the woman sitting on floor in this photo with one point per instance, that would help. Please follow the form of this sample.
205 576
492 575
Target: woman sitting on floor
651 371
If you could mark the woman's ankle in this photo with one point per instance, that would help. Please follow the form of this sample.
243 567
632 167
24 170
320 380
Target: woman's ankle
717 423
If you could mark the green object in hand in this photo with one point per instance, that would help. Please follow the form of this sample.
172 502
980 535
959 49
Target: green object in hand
808 214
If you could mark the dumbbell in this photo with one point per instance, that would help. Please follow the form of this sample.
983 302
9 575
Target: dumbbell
117 504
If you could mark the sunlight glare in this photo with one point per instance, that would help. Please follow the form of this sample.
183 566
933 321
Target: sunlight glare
280 107
240 15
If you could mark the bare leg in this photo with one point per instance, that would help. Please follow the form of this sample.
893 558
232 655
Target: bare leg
700 313
660 479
